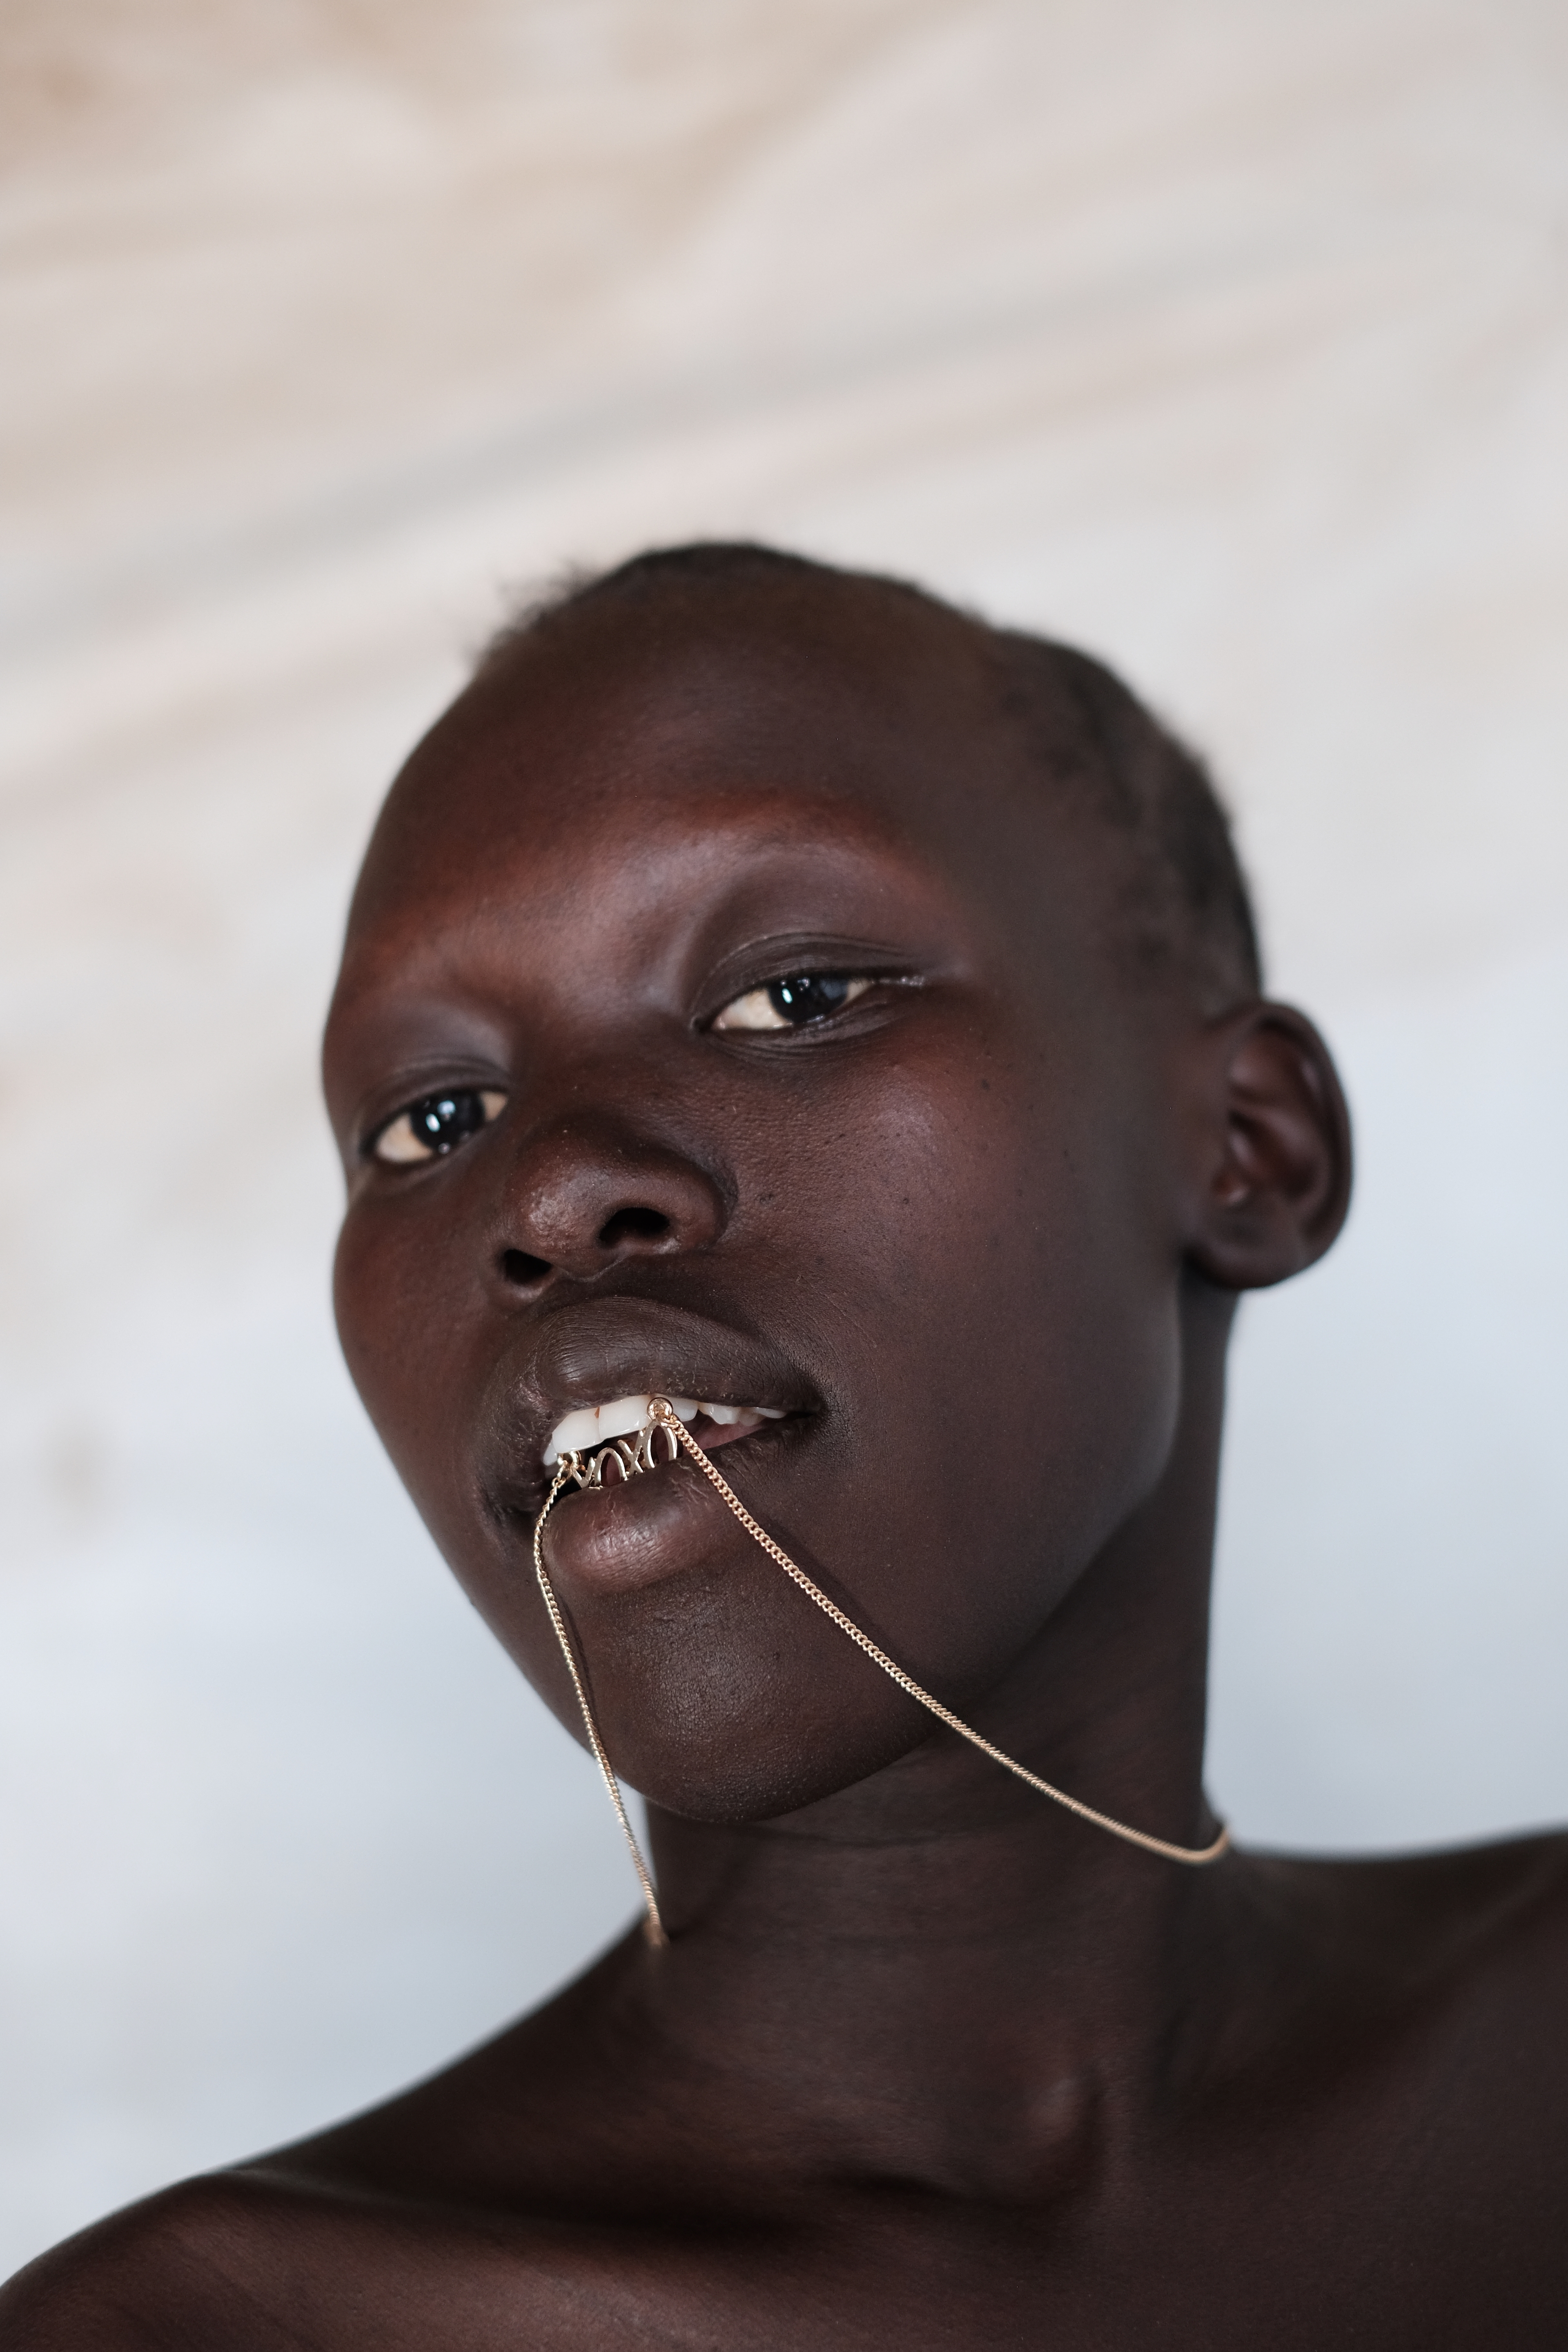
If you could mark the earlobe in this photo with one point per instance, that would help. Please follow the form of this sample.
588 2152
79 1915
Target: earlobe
1276 1178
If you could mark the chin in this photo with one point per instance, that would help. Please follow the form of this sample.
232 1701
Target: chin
713 1742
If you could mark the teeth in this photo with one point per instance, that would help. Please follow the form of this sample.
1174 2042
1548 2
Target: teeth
596 1424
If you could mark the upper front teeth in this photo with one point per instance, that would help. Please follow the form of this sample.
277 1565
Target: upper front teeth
595 1425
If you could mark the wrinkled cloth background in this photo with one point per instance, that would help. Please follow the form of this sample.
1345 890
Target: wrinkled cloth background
1230 339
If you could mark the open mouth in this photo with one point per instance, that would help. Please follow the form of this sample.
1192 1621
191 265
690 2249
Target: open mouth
607 1443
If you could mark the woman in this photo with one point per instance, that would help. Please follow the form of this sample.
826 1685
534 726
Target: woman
779 1009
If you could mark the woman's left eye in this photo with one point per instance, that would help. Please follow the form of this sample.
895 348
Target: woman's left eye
793 1003
438 1124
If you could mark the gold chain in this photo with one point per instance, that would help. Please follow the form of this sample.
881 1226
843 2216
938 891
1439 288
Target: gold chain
664 1415
654 1930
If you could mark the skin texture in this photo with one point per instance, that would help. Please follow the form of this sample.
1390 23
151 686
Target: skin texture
928 2061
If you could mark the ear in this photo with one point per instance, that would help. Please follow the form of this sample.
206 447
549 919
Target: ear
1274 1174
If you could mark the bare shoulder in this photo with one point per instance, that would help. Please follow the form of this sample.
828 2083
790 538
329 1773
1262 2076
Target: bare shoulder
1456 1959
168 2273
1459 1912
1496 1919
420 2195
265 2259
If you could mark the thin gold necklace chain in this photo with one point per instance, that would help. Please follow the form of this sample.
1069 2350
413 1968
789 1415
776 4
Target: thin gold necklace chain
654 1927
663 1413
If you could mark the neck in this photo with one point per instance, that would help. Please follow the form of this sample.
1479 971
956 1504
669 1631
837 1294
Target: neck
938 1971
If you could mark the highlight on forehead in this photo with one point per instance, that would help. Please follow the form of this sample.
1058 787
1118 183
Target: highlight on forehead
1182 905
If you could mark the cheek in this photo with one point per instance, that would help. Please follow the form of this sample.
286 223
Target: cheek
999 1330
401 1291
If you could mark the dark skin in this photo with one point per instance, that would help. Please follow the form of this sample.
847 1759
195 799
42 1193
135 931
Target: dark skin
927 2061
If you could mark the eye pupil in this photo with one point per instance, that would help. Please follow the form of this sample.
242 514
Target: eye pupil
808 996
443 1120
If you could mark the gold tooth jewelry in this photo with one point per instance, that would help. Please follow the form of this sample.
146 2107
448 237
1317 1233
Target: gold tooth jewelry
630 1458
626 1456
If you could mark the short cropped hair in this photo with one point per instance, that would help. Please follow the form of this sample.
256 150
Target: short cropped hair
1184 903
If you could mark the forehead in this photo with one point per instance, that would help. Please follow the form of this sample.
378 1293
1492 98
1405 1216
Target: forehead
831 726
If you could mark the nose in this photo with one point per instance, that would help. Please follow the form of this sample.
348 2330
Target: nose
586 1194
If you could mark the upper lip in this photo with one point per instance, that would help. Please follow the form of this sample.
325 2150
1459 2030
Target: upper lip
588 1353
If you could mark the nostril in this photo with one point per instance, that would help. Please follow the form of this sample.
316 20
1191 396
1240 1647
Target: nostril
518 1267
633 1225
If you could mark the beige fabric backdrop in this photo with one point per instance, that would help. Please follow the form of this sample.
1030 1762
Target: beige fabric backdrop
1229 337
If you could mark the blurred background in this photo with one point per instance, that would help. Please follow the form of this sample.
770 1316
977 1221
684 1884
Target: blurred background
1228 337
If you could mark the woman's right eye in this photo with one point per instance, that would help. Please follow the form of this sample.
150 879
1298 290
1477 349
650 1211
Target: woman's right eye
438 1124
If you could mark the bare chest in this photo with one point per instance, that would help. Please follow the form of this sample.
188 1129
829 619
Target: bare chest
1283 2262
